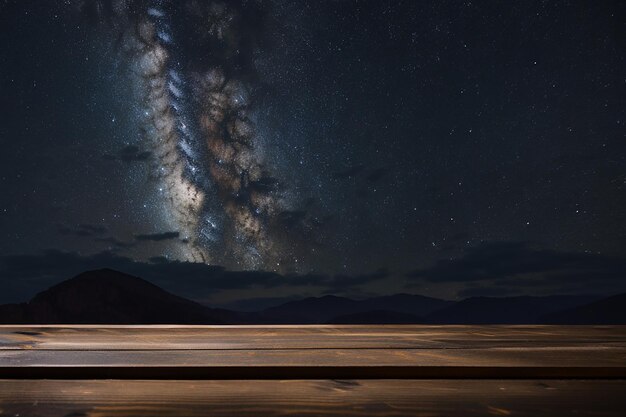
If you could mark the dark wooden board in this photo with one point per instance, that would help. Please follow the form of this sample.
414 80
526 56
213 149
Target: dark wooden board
312 370
327 363
305 337
296 352
382 398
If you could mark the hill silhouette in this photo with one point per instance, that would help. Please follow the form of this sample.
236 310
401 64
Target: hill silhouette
611 310
377 317
505 310
325 309
106 296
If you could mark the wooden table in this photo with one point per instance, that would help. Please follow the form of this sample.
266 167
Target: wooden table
395 370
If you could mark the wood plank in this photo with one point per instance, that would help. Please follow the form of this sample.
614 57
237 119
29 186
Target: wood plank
304 337
582 362
275 352
367 398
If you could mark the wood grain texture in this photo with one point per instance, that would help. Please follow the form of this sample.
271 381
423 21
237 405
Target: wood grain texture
277 364
389 398
389 371
296 352
83 337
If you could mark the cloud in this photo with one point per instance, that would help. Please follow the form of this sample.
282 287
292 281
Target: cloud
82 230
115 242
157 237
345 282
517 265
30 273
265 184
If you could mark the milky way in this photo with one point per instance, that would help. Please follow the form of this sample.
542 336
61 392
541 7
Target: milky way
316 138
198 123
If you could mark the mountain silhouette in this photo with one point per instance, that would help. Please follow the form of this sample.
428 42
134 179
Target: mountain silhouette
505 310
377 317
329 307
611 310
106 296
310 310
417 305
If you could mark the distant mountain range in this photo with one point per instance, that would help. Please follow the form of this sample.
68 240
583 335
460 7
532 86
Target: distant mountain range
610 310
109 297
328 308
506 310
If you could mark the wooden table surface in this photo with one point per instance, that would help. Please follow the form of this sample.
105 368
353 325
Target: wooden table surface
395 370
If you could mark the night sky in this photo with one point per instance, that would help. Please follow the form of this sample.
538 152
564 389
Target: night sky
446 148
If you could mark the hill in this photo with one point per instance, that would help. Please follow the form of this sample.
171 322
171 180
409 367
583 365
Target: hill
377 317
329 307
106 296
505 310
611 310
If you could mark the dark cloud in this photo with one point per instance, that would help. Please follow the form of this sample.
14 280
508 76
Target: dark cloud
99 234
133 153
265 185
115 242
157 237
344 282
82 230
28 274
516 264
339 282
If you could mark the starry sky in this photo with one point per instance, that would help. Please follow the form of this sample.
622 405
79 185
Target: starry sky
447 148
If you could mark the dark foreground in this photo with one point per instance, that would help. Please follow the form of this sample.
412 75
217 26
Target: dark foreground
401 370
